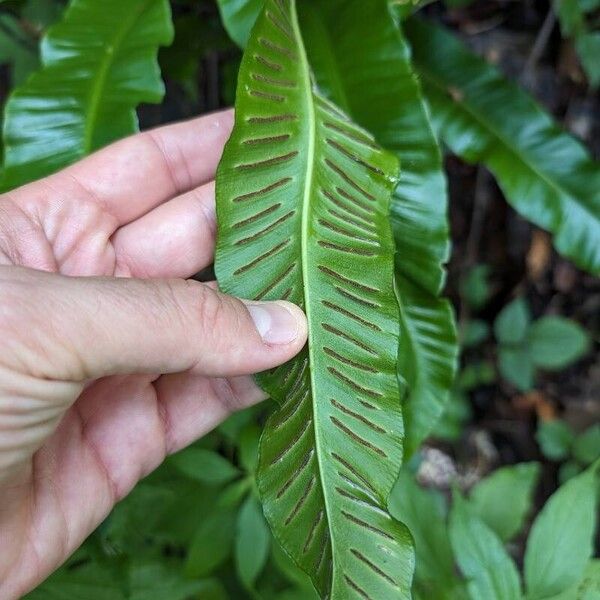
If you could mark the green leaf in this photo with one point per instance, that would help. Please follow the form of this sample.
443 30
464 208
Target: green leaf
302 204
205 466
452 422
570 16
252 542
427 359
16 49
544 173
588 49
375 84
488 498
239 17
556 342
516 366
90 82
475 287
589 586
41 13
94 581
512 323
211 544
561 539
586 447
424 512
476 332
555 439
490 571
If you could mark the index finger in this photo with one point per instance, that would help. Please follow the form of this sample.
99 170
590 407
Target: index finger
134 175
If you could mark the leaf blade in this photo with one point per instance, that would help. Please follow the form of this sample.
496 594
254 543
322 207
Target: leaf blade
545 174
561 539
89 96
375 83
308 223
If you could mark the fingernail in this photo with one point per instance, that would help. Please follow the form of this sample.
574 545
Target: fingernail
275 323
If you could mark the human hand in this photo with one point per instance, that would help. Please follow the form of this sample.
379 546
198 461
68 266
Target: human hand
107 366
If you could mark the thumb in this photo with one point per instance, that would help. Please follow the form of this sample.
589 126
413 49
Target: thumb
78 328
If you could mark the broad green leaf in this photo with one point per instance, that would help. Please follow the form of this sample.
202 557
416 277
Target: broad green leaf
424 512
374 82
302 204
556 342
544 173
512 323
561 539
516 366
205 466
252 542
211 544
239 17
488 498
555 439
98 64
490 571
586 447
586 589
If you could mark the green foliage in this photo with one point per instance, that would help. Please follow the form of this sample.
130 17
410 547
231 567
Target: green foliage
482 558
252 543
560 443
302 205
424 512
545 174
89 96
238 17
550 343
195 528
555 439
376 85
475 287
589 586
561 539
204 465
488 499
573 22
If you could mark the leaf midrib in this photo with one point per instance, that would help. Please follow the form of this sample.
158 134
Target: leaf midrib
506 144
108 58
304 242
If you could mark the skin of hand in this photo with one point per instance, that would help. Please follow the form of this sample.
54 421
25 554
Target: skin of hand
110 359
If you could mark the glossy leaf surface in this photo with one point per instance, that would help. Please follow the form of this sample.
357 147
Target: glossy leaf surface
483 560
303 202
238 17
561 540
374 82
544 173
98 64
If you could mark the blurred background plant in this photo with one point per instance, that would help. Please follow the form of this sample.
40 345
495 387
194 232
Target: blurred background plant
520 432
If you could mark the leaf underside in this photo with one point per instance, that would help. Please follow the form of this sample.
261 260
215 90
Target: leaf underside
303 201
98 64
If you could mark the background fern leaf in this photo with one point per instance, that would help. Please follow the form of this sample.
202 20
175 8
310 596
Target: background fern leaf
98 64
303 201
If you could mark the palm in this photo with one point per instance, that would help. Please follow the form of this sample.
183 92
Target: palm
112 218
